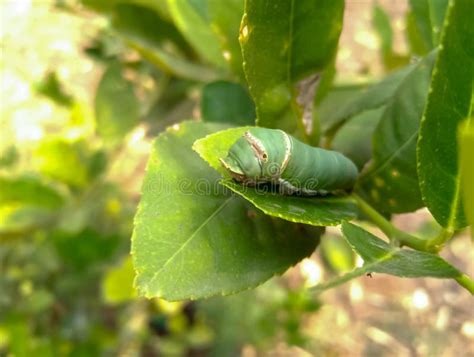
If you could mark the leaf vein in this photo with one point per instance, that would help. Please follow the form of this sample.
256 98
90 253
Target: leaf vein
387 161
206 221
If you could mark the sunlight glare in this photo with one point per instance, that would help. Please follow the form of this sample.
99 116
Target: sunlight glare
420 299
311 271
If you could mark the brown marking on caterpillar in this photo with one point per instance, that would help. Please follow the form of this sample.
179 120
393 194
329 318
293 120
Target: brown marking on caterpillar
288 148
257 146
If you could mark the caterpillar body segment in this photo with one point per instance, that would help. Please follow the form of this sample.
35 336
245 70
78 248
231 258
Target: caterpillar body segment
264 155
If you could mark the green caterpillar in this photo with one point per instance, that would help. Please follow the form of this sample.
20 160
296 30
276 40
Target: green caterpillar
272 156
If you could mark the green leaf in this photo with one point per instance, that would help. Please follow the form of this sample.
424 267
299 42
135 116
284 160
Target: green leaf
191 18
97 164
158 41
284 42
337 96
466 144
8 156
150 26
172 105
107 6
192 238
29 191
438 10
318 211
390 183
27 203
225 22
417 44
227 102
450 102
117 109
313 211
354 139
380 257
421 14
368 98
100 5
336 253
18 220
63 161
84 250
396 261
428 18
20 336
216 145
383 28
51 88
324 86
170 63
101 207
325 83
117 285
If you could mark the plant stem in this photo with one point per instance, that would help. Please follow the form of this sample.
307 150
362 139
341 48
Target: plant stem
438 241
466 282
393 233
376 217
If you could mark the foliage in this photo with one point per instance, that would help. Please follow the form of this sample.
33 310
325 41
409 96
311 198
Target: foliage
450 103
390 180
275 54
195 75
466 143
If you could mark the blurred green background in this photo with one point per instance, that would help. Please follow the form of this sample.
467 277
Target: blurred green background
70 180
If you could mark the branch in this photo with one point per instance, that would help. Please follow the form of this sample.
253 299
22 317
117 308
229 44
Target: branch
394 234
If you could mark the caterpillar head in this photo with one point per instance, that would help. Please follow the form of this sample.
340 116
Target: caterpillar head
245 159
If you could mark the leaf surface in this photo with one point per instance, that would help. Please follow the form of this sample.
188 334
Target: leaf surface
421 14
428 16
146 32
27 203
193 238
227 102
117 108
192 19
391 181
380 257
65 161
117 284
354 139
282 43
466 142
28 190
316 211
450 102
368 98
225 22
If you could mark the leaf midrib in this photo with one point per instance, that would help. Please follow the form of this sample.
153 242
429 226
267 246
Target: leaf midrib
457 188
355 273
194 234
387 160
